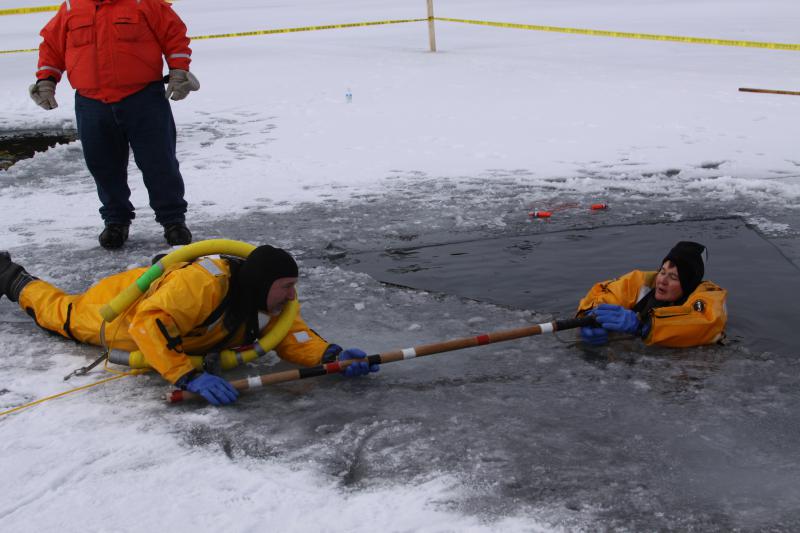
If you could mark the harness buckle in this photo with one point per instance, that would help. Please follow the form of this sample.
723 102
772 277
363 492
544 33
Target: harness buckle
85 369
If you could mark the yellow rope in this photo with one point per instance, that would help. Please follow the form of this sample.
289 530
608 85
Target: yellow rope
60 394
119 375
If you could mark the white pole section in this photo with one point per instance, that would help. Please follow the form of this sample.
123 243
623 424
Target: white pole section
431 32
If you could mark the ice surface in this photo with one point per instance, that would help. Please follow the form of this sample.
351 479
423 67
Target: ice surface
525 436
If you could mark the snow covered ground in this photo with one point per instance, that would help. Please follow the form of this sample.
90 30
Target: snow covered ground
460 142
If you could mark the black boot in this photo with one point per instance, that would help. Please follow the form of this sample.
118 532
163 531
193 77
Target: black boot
177 233
114 236
13 277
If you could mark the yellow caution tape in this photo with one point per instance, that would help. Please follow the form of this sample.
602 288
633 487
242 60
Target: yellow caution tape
627 35
303 28
37 9
18 51
268 32
556 29
27 10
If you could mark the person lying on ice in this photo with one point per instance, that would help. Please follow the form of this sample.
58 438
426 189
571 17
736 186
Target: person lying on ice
672 307
196 307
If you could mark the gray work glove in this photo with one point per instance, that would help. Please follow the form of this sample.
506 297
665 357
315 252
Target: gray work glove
43 92
181 82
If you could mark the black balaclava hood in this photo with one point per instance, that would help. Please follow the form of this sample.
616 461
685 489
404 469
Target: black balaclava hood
251 282
688 257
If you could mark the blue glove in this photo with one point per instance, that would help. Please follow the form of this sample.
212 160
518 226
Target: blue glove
213 388
357 368
617 318
594 336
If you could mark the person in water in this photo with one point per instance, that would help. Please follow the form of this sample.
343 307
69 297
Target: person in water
670 307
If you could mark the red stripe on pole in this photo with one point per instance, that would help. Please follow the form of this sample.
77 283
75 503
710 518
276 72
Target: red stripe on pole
176 396
332 368
483 339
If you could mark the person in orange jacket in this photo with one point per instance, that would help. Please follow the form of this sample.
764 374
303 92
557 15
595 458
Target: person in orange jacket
671 307
112 53
193 308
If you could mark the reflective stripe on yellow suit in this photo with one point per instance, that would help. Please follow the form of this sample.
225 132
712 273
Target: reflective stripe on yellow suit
700 320
167 323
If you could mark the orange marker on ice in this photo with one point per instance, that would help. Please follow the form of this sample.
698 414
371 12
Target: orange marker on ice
597 207
540 214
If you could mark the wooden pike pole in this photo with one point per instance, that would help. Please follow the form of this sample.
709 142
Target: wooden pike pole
431 32
396 355
768 91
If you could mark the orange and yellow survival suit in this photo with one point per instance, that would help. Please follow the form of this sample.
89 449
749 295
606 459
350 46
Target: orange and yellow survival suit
180 314
699 320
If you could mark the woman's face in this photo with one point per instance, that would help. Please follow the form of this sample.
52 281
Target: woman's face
668 284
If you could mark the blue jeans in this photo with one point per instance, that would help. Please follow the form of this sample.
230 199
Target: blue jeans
144 122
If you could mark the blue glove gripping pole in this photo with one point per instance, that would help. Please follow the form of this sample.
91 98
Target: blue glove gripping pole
213 388
617 318
594 336
357 368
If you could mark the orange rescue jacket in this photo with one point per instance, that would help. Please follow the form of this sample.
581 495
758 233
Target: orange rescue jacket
699 320
111 49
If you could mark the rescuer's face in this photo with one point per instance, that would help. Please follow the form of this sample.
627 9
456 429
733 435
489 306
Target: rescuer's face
282 290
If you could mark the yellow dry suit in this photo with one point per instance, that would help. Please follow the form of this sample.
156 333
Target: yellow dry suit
699 320
181 314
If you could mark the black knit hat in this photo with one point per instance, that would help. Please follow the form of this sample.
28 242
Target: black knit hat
262 267
688 257
250 284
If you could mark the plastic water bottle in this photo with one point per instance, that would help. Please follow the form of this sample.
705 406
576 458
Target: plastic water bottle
348 96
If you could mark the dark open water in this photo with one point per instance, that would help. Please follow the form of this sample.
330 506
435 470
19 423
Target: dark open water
624 438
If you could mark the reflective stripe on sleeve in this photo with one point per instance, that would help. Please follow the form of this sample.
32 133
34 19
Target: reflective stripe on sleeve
54 69
173 56
210 266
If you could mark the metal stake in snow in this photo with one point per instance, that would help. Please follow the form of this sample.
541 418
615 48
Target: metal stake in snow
768 91
397 355
431 31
